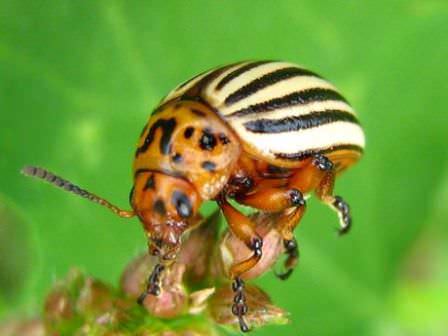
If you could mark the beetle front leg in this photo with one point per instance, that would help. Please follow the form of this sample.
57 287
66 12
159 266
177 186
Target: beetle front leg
324 192
244 229
153 286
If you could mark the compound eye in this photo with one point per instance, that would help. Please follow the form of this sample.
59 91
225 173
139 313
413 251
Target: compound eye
182 204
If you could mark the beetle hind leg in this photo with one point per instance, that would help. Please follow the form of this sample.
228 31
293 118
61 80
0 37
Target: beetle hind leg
324 192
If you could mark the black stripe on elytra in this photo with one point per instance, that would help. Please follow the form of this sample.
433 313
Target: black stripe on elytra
190 80
300 122
167 126
311 152
236 73
265 81
292 99
195 91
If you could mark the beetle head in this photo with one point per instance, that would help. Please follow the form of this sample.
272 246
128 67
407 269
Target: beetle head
167 206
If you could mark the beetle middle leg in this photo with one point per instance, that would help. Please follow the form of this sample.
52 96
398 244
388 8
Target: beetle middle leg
290 205
244 229
286 225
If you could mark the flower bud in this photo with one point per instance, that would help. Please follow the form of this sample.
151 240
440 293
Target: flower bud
173 297
261 310
23 328
232 250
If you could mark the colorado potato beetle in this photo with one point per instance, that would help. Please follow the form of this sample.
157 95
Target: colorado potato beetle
263 133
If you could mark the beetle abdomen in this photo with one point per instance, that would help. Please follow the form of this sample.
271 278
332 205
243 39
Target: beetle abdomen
281 112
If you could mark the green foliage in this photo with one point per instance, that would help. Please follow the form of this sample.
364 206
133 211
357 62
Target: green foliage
79 79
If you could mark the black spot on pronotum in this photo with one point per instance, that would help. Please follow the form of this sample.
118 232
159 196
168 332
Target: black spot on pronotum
177 158
167 126
131 195
150 184
182 204
188 132
198 112
208 140
159 207
209 166
223 138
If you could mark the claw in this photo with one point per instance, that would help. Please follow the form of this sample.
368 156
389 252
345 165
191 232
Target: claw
344 212
292 251
243 325
285 275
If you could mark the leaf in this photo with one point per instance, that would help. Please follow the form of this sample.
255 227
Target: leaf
15 252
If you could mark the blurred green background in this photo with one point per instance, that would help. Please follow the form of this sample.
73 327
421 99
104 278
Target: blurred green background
78 80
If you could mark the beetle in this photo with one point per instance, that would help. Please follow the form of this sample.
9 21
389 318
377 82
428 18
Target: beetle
263 133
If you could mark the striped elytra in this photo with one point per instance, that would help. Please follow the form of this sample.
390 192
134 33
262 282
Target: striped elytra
281 112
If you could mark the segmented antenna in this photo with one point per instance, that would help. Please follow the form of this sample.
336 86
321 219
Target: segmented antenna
59 182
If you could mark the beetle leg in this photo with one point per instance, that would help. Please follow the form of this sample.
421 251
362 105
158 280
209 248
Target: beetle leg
324 192
153 285
286 224
273 199
239 307
291 203
244 229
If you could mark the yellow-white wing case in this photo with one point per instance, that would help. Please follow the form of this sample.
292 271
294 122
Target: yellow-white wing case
281 112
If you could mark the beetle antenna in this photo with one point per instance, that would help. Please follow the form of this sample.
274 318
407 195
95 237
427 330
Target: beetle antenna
59 182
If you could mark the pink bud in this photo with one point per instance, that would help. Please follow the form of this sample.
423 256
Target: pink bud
261 310
232 250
